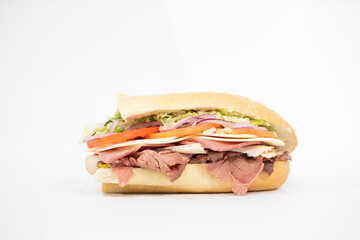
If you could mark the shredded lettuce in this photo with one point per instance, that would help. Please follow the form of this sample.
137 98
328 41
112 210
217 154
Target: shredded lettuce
103 128
117 116
168 119
95 129
118 129
261 123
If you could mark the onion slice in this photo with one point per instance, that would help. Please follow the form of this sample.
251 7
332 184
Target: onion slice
113 125
229 124
89 138
189 120
144 125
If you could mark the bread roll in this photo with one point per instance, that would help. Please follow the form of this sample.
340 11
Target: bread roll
194 179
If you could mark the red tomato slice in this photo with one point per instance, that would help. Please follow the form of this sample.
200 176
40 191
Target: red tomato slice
122 137
256 132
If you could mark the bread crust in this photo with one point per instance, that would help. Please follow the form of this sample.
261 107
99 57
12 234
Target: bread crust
195 179
134 107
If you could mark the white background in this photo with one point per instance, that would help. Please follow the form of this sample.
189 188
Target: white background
63 62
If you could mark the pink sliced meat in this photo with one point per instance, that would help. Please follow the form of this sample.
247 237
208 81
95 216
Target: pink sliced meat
205 158
177 163
172 158
220 169
123 174
129 161
283 157
223 146
222 164
239 188
268 167
152 160
112 155
176 171
242 170
170 163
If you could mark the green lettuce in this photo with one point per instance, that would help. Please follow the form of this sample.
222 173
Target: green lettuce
261 123
169 119
118 129
103 128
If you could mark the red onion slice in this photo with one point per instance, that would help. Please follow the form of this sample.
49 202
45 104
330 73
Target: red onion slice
144 125
89 138
224 123
247 125
206 116
113 125
190 120
228 124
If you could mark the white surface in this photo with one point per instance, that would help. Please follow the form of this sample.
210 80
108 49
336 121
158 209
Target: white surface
63 62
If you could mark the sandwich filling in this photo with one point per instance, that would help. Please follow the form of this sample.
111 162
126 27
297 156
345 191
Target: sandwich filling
234 146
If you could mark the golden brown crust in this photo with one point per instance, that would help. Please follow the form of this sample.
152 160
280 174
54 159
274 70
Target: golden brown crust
195 179
136 107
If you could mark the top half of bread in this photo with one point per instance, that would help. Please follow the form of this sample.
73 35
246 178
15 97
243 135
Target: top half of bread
134 107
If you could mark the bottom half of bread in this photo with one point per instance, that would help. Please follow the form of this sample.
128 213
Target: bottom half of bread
194 179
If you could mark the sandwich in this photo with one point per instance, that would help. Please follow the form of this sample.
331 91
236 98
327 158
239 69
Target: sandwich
190 143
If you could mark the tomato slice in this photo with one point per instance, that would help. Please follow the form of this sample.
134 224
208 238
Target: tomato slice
122 137
256 132
181 132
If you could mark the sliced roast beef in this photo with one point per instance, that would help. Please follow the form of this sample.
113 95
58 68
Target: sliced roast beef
152 160
128 161
282 157
206 158
222 146
220 169
269 162
268 167
242 170
123 174
222 164
112 155
176 171
171 163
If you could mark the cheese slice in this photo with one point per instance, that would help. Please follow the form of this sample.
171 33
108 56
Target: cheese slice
271 154
270 141
194 148
253 151
229 135
141 142
209 136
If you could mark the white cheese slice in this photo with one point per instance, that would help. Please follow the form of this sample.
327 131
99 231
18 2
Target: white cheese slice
141 142
194 148
229 135
270 141
271 154
209 136
253 151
